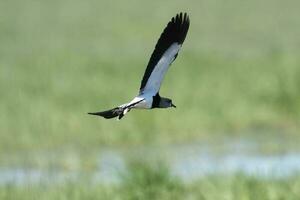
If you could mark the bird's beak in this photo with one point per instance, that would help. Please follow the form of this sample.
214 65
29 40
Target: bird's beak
172 105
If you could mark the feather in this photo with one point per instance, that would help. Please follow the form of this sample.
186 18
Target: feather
108 114
175 32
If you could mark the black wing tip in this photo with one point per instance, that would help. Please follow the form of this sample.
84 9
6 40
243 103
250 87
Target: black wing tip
181 24
177 29
182 17
175 32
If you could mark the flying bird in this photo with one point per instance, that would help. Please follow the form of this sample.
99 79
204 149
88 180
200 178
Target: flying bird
165 52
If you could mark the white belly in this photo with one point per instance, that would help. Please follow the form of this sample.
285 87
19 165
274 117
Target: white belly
145 104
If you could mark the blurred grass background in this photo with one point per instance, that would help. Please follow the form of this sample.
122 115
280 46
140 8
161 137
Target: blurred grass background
238 71
155 182
237 74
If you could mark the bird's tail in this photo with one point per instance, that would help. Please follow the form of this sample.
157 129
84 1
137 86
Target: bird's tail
115 112
119 111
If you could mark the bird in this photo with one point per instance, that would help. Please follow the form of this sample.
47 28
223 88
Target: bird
165 52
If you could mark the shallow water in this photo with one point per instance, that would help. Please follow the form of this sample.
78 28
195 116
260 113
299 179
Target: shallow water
188 162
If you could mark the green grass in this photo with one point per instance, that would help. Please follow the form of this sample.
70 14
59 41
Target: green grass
237 75
238 70
154 181
233 188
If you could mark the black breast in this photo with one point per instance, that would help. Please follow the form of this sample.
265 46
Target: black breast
156 100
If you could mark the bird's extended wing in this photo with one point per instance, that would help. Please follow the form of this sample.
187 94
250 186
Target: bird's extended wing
165 52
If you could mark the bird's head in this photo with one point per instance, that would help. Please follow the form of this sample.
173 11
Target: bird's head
166 103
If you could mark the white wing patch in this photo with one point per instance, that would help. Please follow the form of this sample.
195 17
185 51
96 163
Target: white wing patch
159 71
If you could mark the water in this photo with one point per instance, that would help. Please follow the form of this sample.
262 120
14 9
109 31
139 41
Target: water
275 166
188 162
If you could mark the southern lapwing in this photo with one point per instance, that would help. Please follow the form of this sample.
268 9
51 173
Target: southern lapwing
165 52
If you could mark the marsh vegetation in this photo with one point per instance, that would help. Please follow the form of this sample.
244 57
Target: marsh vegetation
237 77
